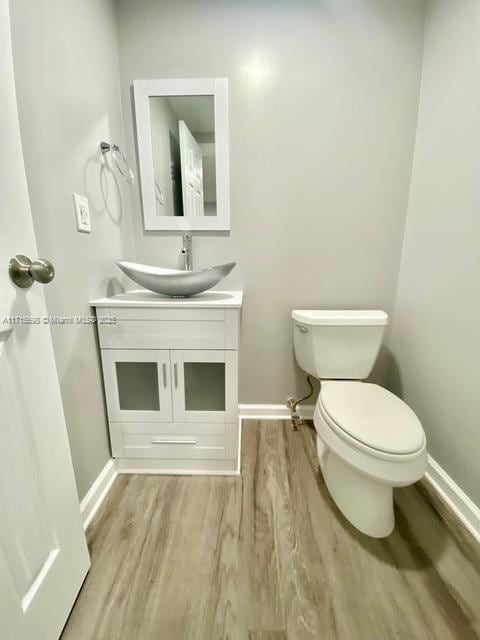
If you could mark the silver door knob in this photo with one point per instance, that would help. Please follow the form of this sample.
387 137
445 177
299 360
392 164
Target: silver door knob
24 272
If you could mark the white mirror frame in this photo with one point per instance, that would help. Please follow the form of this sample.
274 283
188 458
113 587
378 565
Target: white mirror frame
143 91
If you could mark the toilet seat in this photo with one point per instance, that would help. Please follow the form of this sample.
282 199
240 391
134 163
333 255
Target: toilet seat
372 418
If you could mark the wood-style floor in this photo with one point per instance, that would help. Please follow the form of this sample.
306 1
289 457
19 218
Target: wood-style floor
268 557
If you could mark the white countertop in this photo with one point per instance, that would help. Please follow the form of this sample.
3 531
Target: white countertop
144 298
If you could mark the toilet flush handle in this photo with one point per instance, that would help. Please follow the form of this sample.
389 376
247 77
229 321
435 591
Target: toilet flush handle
301 328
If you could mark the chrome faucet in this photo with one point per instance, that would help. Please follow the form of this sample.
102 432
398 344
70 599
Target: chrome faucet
186 252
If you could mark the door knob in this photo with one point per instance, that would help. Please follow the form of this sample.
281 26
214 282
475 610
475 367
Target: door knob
24 272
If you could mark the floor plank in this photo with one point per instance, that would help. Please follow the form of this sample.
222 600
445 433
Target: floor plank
267 556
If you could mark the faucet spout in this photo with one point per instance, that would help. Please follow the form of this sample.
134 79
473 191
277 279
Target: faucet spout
186 252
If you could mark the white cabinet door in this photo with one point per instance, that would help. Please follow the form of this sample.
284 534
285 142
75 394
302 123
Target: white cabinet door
43 551
137 385
205 386
191 162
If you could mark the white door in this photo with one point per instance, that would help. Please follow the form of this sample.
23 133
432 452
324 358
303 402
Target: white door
192 172
137 385
43 552
204 386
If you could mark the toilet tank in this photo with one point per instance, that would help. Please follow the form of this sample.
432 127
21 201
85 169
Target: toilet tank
338 344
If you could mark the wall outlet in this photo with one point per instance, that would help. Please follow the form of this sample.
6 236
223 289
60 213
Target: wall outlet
82 213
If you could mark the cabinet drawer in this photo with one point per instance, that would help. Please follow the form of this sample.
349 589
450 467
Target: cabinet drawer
172 446
169 329
163 334
142 313
173 440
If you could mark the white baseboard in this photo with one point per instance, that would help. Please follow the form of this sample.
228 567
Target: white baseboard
97 493
465 510
138 471
273 411
169 466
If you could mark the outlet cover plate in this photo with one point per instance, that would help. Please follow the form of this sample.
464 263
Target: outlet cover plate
82 213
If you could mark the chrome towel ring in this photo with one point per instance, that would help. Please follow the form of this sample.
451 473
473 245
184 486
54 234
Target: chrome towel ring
114 149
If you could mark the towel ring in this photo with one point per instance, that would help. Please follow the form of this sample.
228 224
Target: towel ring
126 172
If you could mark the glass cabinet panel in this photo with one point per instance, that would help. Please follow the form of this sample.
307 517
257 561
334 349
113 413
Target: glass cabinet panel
204 384
137 386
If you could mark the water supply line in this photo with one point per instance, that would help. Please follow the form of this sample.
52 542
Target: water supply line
292 404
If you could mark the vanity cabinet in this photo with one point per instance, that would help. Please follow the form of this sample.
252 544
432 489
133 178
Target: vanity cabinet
170 370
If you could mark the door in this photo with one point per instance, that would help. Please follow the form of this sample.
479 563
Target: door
204 386
137 385
43 552
191 162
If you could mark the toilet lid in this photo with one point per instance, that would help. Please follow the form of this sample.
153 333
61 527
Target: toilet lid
372 415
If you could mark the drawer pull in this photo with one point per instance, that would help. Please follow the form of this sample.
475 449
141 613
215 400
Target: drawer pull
175 374
172 441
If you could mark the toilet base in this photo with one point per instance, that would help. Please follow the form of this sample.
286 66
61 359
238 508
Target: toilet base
366 503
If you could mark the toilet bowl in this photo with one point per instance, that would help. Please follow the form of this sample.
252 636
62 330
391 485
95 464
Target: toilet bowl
368 440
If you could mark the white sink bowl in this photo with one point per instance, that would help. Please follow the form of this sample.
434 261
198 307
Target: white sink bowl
175 282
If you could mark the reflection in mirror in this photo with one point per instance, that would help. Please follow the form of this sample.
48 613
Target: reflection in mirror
183 148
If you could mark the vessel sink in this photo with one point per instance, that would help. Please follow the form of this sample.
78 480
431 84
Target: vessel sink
175 282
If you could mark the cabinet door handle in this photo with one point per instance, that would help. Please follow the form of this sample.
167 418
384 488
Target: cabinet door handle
175 374
164 371
172 441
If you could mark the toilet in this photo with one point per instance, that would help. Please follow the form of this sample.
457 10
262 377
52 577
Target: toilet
368 440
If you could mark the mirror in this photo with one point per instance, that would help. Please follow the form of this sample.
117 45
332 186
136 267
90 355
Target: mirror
182 135
183 149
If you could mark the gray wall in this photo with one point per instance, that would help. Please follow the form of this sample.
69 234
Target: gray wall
436 333
323 105
66 67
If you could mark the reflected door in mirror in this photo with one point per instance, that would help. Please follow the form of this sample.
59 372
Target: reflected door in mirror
183 150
